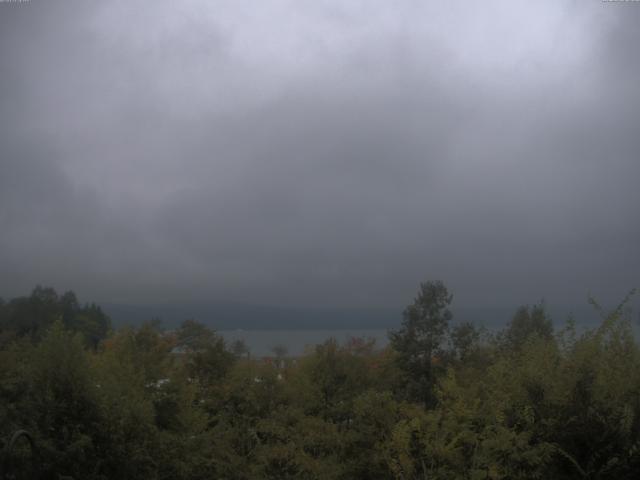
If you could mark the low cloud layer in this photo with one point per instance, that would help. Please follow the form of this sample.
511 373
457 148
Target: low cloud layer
320 153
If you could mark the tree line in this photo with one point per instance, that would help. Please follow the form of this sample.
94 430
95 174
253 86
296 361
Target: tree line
443 400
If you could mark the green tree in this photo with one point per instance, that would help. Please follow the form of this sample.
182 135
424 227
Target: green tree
334 376
464 339
193 335
207 357
420 338
63 406
32 316
528 322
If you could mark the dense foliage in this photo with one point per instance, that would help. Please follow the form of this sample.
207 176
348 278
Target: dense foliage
442 402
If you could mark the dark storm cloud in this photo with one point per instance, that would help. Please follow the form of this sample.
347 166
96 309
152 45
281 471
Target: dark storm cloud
337 156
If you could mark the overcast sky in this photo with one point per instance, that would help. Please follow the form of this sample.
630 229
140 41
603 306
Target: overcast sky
325 153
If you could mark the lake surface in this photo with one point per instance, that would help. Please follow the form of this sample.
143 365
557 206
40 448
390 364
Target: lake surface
261 342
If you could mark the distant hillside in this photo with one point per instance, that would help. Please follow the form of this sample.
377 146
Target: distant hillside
228 316
225 316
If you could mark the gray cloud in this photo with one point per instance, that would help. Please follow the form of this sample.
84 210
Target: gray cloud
329 153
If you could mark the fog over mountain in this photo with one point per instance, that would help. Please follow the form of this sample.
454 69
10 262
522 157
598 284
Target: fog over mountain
324 154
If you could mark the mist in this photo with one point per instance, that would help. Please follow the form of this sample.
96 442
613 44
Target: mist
323 154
